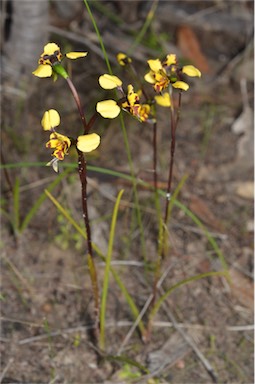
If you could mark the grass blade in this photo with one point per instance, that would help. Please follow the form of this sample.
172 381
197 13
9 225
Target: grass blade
179 284
40 200
107 271
125 176
16 207
128 298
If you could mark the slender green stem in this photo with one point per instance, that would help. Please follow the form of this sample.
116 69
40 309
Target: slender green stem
145 26
35 207
159 257
98 36
16 205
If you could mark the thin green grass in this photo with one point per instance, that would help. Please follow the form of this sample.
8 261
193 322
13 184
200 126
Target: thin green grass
124 176
128 298
17 223
145 27
107 271
180 284
16 206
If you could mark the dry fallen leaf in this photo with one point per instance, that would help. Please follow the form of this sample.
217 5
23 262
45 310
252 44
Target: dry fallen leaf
201 209
190 48
242 288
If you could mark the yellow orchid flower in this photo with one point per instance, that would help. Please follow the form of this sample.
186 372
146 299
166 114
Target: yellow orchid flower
75 55
181 85
149 77
108 109
52 56
132 97
123 59
43 70
51 52
157 75
87 143
50 120
162 74
163 100
143 112
170 59
109 81
60 143
191 71
155 65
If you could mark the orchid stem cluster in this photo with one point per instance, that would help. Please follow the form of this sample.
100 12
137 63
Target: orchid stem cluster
50 65
166 77
166 81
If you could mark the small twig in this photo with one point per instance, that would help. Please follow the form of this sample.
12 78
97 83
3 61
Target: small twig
54 379
188 339
18 274
143 311
189 228
11 360
126 323
229 67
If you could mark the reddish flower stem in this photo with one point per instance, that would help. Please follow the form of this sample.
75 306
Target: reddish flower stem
78 103
82 170
155 155
155 179
174 123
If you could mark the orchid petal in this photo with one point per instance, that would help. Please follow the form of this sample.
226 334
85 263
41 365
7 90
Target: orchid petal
43 70
76 55
108 109
155 65
109 81
163 100
171 59
50 49
191 71
181 85
87 143
51 119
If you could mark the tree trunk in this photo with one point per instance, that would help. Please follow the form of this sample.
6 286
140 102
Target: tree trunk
27 34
